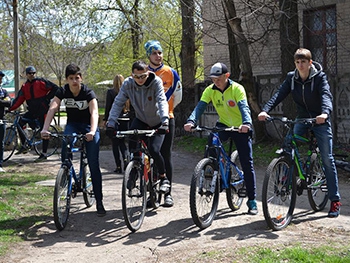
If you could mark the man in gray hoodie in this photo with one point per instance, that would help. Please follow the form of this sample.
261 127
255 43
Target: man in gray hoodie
146 94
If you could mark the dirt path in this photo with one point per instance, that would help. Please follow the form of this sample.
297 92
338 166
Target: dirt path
167 234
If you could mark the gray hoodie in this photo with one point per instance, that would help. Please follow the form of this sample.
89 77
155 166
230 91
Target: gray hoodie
149 101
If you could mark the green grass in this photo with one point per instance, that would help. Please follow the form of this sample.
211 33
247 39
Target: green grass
23 204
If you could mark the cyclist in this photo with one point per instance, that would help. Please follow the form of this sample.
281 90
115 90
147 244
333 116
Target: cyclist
4 102
145 92
230 101
311 92
37 93
82 117
173 93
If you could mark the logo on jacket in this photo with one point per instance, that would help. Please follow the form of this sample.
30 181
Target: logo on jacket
149 98
231 103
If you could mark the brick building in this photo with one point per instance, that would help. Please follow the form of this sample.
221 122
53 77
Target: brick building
324 27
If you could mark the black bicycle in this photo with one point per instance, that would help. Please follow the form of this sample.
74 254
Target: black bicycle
68 181
31 134
290 173
141 176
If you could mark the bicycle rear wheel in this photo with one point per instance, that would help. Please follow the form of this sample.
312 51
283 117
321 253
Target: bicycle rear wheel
154 184
134 196
87 186
317 189
10 142
54 142
203 202
279 193
61 198
234 194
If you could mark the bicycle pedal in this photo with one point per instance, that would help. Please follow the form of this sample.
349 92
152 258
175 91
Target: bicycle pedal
324 188
242 192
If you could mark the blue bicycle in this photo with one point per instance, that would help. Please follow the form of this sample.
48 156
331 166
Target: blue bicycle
31 134
211 176
68 181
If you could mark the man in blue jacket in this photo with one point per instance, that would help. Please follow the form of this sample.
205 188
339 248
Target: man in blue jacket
311 92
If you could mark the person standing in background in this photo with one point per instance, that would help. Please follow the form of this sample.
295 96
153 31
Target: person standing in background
5 101
118 144
173 92
37 93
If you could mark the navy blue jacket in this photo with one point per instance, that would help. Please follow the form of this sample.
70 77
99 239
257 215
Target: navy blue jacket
312 96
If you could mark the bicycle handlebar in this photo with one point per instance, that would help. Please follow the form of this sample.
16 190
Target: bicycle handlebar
285 120
148 133
215 129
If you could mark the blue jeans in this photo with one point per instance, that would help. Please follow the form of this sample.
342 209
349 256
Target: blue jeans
324 138
93 151
2 135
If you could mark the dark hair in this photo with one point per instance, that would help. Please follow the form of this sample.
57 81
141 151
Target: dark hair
139 65
72 69
302 53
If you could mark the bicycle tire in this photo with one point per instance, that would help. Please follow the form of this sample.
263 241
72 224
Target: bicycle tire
154 192
279 193
87 186
203 203
134 196
317 195
61 198
233 199
10 142
54 142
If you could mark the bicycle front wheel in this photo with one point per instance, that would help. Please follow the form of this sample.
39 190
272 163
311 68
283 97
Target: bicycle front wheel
10 142
279 193
87 186
54 142
203 202
134 196
317 189
61 198
236 191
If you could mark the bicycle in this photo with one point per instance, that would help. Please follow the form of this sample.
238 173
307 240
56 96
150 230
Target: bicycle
31 134
141 176
211 176
289 174
68 181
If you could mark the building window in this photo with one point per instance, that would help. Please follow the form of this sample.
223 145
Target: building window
320 37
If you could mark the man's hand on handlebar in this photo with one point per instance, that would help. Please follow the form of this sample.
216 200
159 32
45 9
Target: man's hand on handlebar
263 116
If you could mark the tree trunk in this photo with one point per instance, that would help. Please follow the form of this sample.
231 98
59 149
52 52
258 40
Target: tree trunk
289 42
243 50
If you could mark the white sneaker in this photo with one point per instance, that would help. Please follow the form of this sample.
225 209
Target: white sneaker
2 170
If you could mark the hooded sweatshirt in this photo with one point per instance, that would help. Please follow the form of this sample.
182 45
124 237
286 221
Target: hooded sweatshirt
312 96
149 101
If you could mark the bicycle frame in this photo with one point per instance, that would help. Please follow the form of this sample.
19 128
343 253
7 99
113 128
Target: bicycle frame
223 161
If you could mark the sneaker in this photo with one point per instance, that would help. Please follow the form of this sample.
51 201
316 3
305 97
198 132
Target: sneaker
100 209
41 158
168 201
132 180
252 207
2 170
164 185
335 209
118 170
21 150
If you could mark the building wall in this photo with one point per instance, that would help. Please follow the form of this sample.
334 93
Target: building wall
265 53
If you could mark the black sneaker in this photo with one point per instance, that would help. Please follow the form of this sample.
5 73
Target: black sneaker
168 201
100 209
23 150
164 185
118 170
41 158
